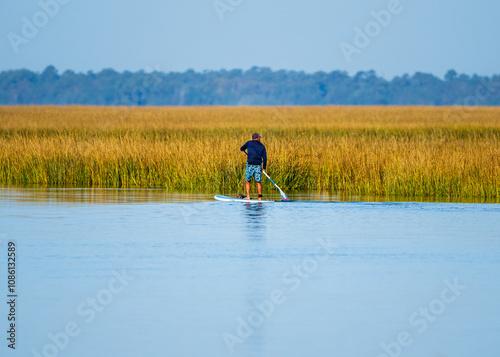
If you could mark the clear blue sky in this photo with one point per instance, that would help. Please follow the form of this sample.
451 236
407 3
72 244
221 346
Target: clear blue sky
422 35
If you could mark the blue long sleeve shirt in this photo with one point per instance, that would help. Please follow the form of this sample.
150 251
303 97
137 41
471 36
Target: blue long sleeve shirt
256 153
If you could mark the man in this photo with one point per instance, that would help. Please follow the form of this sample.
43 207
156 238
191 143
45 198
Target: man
256 156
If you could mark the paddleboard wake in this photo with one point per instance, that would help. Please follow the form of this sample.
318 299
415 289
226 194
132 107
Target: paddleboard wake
232 199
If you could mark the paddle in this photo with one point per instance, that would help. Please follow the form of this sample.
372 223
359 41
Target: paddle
283 196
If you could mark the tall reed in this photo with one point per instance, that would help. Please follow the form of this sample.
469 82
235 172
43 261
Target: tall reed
410 151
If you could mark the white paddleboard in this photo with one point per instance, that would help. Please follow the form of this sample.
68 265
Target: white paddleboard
231 199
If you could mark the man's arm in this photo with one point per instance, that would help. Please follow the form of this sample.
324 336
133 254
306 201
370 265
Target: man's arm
244 147
264 160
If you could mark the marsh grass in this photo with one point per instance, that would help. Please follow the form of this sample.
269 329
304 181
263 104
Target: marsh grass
403 151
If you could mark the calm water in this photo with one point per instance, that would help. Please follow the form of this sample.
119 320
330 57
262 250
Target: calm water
147 273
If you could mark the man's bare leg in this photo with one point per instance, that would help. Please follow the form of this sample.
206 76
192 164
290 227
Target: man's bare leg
259 190
247 187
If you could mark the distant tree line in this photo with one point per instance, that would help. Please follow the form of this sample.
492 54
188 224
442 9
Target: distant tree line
256 86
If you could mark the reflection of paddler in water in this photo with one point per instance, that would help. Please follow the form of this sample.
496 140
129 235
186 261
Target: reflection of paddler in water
256 274
256 214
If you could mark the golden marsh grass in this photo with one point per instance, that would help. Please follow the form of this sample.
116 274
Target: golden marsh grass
408 151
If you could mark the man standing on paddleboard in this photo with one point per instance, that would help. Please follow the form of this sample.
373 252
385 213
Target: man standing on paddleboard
256 156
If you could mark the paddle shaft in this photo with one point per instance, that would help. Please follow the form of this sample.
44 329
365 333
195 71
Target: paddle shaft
274 183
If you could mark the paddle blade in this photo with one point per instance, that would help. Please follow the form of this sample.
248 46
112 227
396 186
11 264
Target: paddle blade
284 197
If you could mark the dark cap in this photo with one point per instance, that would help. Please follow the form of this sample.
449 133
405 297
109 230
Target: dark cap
256 136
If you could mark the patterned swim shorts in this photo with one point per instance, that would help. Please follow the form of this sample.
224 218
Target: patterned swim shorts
253 171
